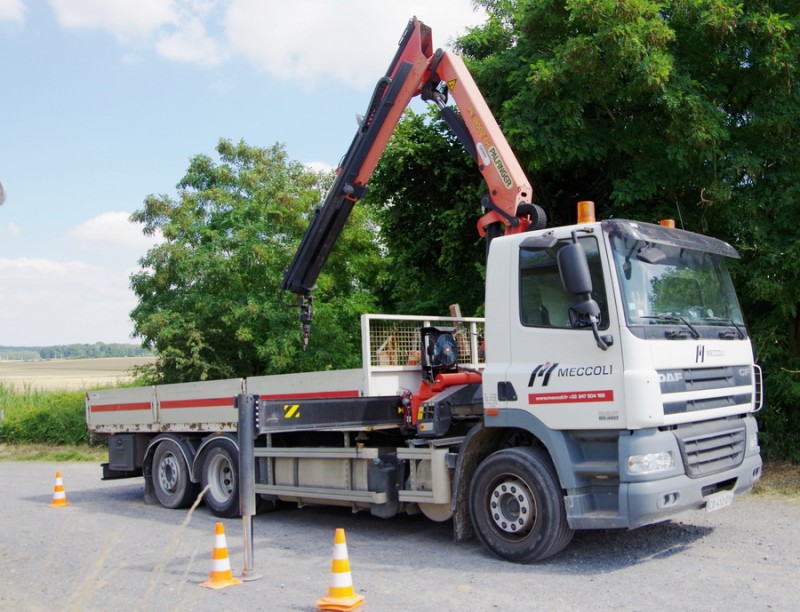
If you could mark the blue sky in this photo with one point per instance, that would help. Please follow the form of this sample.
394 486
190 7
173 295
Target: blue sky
103 102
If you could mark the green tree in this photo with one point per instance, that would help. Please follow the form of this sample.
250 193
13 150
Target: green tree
426 191
209 294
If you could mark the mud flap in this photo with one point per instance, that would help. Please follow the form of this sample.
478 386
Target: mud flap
149 492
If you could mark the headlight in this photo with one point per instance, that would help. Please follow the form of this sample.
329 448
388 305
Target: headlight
650 463
753 442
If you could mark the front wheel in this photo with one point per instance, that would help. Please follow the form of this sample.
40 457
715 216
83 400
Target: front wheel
517 506
221 476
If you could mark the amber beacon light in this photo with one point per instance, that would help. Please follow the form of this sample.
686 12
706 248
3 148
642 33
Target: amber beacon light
667 223
586 212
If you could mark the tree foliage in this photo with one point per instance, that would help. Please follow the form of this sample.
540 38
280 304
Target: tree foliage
427 202
648 107
685 109
209 294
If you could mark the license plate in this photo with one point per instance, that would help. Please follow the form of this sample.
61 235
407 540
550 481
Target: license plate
720 500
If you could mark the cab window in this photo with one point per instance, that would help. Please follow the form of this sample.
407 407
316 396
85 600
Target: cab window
543 301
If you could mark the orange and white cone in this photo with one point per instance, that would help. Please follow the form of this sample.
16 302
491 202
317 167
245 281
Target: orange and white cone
59 497
341 595
220 575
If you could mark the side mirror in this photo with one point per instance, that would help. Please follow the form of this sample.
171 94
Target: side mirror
574 270
576 279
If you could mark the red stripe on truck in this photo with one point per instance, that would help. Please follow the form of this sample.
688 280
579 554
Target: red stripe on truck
120 407
207 402
226 402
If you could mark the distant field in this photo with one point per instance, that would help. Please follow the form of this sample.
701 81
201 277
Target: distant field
70 374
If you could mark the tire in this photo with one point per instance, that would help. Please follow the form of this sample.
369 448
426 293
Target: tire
517 506
171 479
221 476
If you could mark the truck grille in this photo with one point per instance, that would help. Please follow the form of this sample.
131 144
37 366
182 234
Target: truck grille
720 380
711 447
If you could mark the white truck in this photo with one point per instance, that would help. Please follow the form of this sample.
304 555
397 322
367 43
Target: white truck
611 385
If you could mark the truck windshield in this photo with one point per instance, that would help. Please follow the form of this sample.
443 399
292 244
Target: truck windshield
689 292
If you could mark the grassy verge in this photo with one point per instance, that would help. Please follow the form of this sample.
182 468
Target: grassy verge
46 452
781 479
32 416
42 425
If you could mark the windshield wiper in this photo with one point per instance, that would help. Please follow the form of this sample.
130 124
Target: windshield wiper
675 319
724 321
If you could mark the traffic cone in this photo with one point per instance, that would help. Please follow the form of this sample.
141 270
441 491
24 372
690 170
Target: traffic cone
340 592
220 575
59 497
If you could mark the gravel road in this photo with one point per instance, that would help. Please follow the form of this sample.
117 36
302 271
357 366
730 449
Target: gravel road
109 551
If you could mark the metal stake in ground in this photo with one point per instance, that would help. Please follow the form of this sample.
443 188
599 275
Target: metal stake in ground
247 496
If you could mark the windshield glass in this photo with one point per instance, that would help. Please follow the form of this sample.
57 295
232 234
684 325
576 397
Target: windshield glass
670 285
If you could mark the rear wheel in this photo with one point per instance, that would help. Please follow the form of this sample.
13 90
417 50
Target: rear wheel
221 476
517 507
171 480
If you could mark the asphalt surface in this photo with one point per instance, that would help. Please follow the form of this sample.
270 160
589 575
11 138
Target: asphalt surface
107 550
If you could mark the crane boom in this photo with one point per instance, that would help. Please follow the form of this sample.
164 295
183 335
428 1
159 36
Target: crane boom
435 76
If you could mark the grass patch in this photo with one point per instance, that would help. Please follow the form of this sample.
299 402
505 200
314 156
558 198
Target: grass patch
42 417
45 452
45 426
779 478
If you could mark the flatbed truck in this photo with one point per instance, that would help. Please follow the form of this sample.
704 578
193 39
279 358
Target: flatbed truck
611 384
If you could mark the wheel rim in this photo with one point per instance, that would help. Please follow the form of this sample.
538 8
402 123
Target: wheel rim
168 473
512 508
220 478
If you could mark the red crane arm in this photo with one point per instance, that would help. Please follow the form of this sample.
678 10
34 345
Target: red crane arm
416 70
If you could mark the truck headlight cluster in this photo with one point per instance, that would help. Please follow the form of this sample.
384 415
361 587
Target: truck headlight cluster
650 463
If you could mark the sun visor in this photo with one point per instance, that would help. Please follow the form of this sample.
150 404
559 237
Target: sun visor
659 234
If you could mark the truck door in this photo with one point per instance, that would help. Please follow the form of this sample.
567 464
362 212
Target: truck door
558 372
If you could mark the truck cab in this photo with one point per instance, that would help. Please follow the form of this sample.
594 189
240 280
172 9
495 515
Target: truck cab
651 414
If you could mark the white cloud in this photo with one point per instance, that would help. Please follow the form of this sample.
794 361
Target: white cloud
10 229
125 19
23 272
190 43
177 29
112 230
352 41
12 10
52 302
47 301
307 41
319 166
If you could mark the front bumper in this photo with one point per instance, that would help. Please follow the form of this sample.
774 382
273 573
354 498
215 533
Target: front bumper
636 504
656 501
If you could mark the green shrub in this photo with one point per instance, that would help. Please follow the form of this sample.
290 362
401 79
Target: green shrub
779 422
47 417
